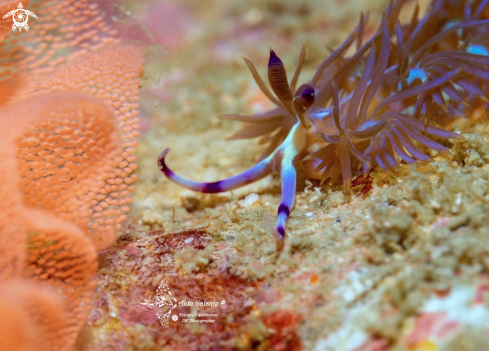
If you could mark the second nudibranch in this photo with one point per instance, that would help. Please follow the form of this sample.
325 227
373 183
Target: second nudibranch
283 160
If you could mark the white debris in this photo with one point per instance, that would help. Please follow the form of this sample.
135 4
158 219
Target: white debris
460 307
249 200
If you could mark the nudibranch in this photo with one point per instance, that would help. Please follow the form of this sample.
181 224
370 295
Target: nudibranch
437 68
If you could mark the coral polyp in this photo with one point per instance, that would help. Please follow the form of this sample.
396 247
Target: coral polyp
414 78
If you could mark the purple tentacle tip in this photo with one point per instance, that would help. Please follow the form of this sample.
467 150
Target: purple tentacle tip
281 232
304 98
308 94
274 59
161 161
282 217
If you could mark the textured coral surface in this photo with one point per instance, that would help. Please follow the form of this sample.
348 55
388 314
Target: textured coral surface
67 159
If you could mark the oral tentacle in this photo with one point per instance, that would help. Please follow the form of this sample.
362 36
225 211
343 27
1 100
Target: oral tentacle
289 151
289 177
259 171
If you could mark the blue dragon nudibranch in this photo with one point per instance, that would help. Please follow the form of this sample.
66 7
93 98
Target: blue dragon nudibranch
436 69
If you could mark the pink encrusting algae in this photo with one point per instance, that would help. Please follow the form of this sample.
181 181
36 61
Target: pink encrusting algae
416 73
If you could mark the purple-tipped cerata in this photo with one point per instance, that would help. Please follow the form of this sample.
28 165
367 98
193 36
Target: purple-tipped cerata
274 60
277 77
372 109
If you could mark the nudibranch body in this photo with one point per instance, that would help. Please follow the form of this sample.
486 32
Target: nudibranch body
436 68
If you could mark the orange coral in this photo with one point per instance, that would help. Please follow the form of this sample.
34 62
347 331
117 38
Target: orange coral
74 48
31 317
113 69
43 247
68 166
